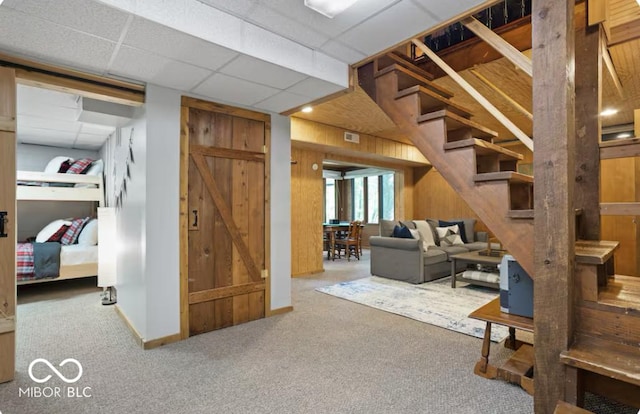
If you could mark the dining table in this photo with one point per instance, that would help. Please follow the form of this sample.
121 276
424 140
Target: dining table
332 232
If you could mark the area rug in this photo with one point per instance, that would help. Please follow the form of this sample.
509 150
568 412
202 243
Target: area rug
435 303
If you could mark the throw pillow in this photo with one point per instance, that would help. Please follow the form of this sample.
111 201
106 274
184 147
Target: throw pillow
401 232
64 167
50 229
53 166
449 235
415 234
426 235
58 234
460 224
89 234
72 233
80 166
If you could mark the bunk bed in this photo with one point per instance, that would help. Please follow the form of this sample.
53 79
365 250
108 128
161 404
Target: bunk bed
75 260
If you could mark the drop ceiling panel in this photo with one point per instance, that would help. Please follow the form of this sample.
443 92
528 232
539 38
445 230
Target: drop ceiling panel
270 47
400 21
342 52
137 64
314 88
48 123
50 136
237 7
287 27
170 12
213 25
54 43
95 129
180 76
223 87
30 95
173 44
446 9
259 71
282 102
81 15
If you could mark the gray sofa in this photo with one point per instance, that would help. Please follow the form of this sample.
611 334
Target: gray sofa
405 259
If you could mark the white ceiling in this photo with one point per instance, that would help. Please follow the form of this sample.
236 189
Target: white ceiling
270 55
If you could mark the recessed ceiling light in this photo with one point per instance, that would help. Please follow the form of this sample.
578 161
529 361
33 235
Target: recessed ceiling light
330 8
624 134
307 109
608 112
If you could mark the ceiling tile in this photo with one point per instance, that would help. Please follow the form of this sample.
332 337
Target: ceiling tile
180 76
445 10
226 88
95 129
282 102
237 7
368 37
213 25
287 27
173 44
91 138
47 123
86 16
330 69
342 52
314 88
30 95
259 71
270 47
137 64
51 42
29 133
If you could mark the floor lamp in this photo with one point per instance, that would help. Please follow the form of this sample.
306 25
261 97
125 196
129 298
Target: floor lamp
107 254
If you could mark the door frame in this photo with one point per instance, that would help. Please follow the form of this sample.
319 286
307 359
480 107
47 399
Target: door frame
187 104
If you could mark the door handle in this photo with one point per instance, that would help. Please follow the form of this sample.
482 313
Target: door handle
3 221
195 219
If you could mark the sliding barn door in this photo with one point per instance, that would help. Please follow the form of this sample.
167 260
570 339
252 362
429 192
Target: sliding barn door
7 224
226 217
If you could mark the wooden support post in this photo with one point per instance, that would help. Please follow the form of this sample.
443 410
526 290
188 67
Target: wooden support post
554 216
588 128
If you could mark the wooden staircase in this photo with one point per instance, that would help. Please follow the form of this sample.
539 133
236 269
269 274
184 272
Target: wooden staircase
605 354
482 173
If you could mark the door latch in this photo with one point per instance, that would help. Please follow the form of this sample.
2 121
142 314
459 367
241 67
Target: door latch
194 223
3 221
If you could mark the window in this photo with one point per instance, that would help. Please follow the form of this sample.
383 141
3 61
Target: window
372 199
358 199
330 200
387 196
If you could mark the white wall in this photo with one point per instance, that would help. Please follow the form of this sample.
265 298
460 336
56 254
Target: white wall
163 209
32 216
280 211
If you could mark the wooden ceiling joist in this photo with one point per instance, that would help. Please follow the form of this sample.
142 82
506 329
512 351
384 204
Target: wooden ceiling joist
513 128
505 48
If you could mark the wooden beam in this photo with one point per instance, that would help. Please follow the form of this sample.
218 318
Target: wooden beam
7 324
588 101
499 91
611 68
620 209
235 154
476 95
225 292
597 11
511 53
554 214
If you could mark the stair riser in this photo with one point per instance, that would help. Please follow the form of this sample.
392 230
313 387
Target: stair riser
610 324
521 196
493 163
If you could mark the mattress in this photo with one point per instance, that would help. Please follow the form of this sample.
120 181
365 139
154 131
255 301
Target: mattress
76 254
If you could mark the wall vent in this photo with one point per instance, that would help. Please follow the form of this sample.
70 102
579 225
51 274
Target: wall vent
351 137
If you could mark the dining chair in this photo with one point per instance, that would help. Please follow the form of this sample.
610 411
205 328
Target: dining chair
351 242
329 241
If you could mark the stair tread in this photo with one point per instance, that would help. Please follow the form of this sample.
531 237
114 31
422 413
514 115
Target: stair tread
520 214
408 78
432 101
565 408
594 251
482 147
454 122
503 175
621 291
400 59
611 359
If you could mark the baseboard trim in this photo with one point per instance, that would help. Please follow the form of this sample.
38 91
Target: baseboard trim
136 335
154 343
165 340
280 311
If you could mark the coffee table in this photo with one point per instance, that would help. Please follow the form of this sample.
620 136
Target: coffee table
473 258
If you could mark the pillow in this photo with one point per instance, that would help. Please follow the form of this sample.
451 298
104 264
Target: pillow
54 165
65 166
80 166
58 234
96 168
449 235
89 234
51 229
72 233
461 226
387 227
401 232
415 234
426 235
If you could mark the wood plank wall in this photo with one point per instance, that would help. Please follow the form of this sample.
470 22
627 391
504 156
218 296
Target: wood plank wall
619 182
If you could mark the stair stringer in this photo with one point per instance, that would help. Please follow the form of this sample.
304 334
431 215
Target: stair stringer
490 200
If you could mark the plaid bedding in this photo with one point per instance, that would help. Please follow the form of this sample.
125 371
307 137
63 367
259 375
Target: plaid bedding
24 263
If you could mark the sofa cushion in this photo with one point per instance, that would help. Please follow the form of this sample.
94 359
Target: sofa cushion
469 228
450 250
426 235
434 255
387 227
401 232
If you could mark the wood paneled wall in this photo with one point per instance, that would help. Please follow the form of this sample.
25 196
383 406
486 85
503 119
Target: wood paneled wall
306 212
620 182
